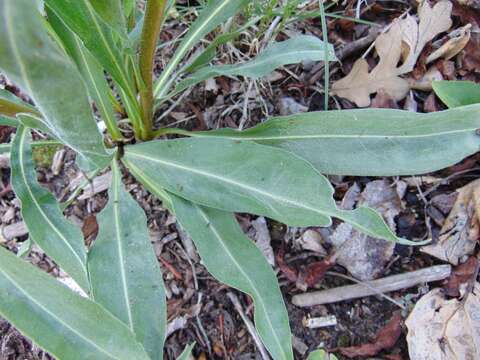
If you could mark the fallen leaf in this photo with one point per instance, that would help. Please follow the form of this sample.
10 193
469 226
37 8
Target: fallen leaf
363 256
383 101
385 339
263 239
359 84
441 329
425 83
404 40
459 38
290 273
461 276
289 106
313 273
470 56
460 232
312 240
432 21
90 228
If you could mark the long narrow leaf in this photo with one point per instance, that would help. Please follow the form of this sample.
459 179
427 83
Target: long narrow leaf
370 142
291 51
457 93
58 320
111 12
81 18
234 259
91 71
187 352
124 271
10 105
213 15
33 61
242 176
47 226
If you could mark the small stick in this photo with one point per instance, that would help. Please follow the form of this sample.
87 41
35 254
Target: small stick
248 323
320 322
374 287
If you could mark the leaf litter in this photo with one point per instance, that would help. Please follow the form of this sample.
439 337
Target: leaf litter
404 41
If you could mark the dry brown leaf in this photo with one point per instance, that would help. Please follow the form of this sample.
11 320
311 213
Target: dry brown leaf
459 38
365 257
385 339
441 329
432 21
404 40
425 83
359 84
460 231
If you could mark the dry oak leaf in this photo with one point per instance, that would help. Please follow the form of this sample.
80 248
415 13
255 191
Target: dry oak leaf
460 232
441 329
432 21
404 40
359 84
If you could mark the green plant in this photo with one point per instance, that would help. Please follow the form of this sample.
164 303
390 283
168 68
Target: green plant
59 59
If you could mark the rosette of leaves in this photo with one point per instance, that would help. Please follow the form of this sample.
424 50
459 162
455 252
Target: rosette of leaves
59 52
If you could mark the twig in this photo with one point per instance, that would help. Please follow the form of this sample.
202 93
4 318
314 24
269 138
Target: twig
346 51
374 287
248 323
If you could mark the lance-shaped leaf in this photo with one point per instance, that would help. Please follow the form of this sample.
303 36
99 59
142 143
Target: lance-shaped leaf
187 352
370 142
82 19
242 176
217 12
58 320
34 62
457 93
10 105
124 271
291 51
47 226
234 259
91 71
111 12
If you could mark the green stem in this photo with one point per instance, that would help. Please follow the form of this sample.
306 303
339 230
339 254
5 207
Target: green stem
171 131
151 29
326 66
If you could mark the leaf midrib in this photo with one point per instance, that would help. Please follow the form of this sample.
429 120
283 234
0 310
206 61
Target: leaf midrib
229 181
59 320
332 136
256 293
36 203
121 256
259 61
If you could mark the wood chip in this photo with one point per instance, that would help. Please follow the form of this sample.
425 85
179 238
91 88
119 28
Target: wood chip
374 287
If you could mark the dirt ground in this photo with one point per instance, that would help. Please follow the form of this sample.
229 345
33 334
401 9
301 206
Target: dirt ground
200 309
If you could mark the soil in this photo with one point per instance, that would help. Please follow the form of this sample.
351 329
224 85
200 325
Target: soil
211 320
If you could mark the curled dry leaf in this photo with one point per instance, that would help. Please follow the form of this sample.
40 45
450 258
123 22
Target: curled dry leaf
404 40
461 229
385 339
441 329
365 257
459 38
461 276
432 21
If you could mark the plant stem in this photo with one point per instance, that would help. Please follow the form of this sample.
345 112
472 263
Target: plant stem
326 67
171 131
151 29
